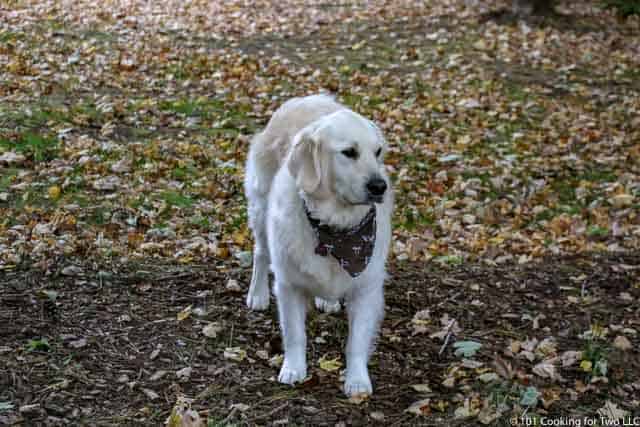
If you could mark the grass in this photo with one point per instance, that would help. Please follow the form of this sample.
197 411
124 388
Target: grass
7 177
34 146
173 198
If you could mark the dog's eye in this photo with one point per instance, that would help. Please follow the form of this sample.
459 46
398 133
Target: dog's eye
378 152
350 153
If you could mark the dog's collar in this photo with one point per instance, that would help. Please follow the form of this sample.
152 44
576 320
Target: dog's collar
352 247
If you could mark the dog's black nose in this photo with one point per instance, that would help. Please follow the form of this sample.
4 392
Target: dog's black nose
376 186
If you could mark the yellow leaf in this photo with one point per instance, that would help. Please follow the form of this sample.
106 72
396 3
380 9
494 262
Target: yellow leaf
184 313
54 192
330 365
359 45
586 365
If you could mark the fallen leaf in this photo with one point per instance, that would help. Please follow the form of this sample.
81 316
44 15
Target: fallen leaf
466 348
421 388
233 286
358 398
546 369
211 330
184 313
82 342
184 373
488 377
530 397
329 365
236 354
611 411
568 358
150 394
242 407
420 407
622 343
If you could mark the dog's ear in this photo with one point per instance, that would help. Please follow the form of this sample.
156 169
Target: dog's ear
308 161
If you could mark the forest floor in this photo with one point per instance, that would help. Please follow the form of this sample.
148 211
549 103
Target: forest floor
514 149
104 345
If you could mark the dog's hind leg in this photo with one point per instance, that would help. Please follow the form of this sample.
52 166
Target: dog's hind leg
258 296
257 182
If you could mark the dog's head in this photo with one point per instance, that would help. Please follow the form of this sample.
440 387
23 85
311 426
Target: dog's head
340 156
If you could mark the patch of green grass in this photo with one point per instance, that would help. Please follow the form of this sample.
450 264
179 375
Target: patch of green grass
38 345
7 36
411 220
87 109
566 190
597 175
37 147
182 173
222 116
515 93
596 231
597 353
449 259
7 176
624 8
31 117
173 198
201 221
99 215
239 220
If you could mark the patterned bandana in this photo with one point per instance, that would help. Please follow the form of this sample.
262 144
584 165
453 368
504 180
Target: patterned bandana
352 248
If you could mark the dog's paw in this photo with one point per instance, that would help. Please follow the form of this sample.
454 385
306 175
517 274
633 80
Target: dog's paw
290 375
327 306
357 385
258 302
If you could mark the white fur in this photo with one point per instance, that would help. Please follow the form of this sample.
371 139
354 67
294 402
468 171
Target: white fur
299 157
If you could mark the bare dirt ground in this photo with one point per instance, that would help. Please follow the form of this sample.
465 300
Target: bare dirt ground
114 343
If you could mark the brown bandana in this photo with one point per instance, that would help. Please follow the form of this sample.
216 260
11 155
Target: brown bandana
353 247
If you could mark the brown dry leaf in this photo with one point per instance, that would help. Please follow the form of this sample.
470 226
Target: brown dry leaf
547 369
502 367
211 330
622 343
359 398
568 358
611 411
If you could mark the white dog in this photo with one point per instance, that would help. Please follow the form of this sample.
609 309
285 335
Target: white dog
320 211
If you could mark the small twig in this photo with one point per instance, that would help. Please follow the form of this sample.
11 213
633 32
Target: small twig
270 413
446 339
231 414
231 336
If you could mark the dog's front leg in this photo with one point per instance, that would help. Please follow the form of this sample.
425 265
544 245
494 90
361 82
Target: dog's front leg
365 310
292 307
